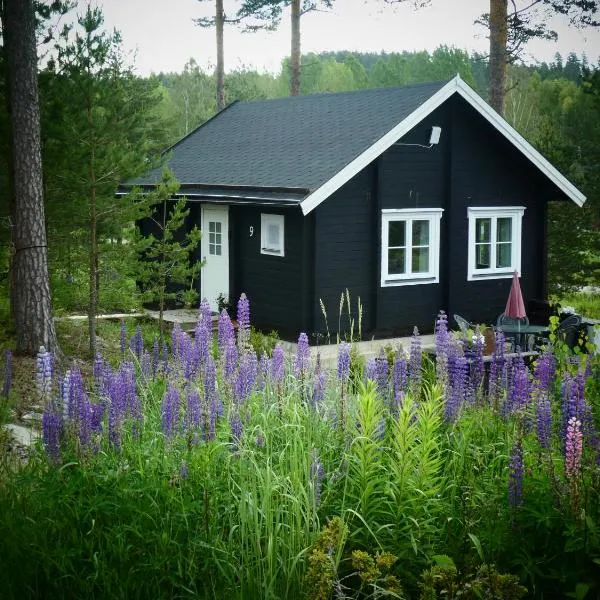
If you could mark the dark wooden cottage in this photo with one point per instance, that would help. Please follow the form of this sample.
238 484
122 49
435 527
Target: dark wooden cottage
415 199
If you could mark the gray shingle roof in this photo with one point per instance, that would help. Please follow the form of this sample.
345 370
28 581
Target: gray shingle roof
298 142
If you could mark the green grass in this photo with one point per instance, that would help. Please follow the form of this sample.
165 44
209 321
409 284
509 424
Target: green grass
585 304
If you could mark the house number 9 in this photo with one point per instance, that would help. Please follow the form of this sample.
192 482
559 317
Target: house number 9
251 230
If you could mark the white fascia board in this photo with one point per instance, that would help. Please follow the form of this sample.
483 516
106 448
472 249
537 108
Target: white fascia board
520 143
379 147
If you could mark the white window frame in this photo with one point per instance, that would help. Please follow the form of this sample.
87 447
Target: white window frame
408 215
265 221
494 213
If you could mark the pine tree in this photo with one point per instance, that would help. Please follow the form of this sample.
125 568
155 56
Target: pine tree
30 290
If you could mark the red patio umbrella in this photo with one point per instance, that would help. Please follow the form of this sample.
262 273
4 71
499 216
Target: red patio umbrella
515 307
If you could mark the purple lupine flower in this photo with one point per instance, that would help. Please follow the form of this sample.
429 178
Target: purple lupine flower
203 337
515 476
51 432
170 412
400 373
225 332
137 342
146 365
175 337
98 366
236 425
264 369
477 367
319 383
211 394
205 313
343 365
574 404
44 368
414 365
497 368
302 359
246 376
442 337
260 441
184 470
77 395
84 422
133 407
458 369
165 358
123 338
573 448
243 318
544 419
544 370
231 358
317 472
187 356
96 416
381 374
7 374
278 365
371 370
155 357
519 388
192 411
117 394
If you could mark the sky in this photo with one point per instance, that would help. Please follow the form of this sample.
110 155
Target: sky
164 37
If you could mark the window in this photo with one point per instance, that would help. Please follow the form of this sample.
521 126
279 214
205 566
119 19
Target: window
410 246
271 234
215 238
494 241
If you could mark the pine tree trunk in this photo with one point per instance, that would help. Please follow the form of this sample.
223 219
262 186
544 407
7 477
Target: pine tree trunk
295 50
31 301
93 224
497 63
220 70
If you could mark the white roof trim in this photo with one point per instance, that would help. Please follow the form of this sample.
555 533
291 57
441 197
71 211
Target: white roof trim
455 85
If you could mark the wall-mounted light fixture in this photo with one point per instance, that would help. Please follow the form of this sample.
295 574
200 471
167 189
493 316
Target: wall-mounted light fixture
434 139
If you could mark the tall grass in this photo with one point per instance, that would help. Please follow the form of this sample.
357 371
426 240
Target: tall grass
283 499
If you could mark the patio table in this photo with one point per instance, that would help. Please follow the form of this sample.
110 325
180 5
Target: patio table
521 332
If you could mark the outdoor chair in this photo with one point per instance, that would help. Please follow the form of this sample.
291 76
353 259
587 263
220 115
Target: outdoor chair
566 331
523 340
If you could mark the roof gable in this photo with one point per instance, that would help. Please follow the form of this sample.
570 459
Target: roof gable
454 86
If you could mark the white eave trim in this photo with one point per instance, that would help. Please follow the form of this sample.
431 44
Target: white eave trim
456 85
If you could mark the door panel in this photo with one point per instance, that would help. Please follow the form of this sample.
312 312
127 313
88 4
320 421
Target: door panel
215 253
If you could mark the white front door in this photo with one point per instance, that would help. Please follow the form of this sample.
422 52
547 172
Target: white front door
215 252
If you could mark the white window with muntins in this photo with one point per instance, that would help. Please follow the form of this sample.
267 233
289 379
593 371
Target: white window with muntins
271 234
494 242
410 246
215 238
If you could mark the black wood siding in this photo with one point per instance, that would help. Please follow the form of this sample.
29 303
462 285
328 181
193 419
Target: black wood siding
413 177
273 284
346 253
488 171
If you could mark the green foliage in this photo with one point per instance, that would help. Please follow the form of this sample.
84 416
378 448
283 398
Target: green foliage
263 343
444 581
167 259
324 558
